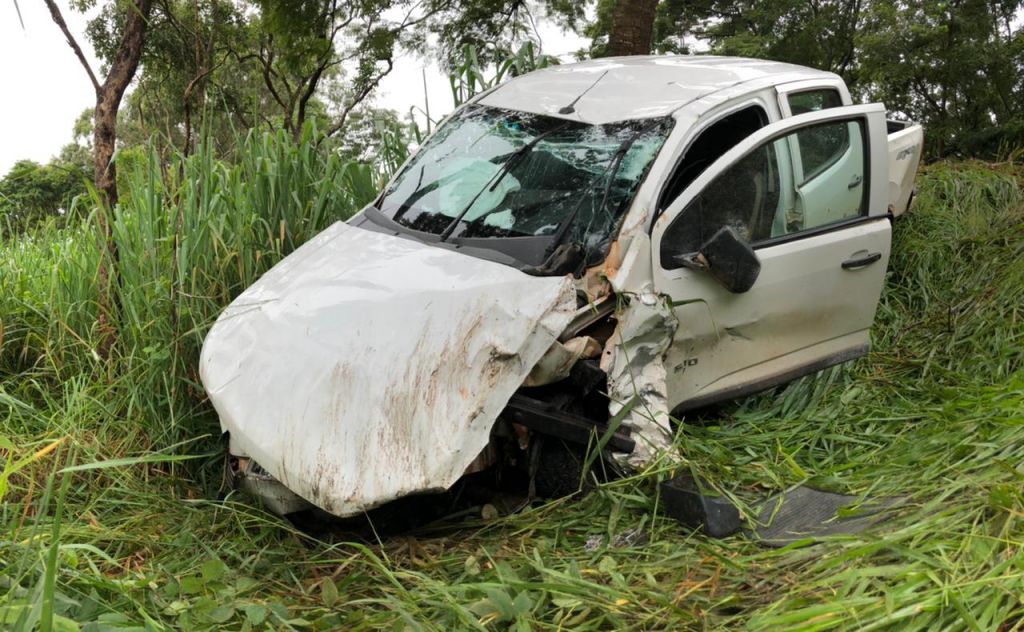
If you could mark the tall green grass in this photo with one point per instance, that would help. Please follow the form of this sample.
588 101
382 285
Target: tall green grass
189 236
934 413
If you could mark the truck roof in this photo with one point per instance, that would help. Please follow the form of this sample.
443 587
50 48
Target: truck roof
625 88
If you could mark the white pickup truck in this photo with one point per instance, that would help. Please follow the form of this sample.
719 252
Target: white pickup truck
579 256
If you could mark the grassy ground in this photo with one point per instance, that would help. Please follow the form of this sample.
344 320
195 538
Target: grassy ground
108 529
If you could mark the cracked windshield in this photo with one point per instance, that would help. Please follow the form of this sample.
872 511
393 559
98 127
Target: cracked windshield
496 173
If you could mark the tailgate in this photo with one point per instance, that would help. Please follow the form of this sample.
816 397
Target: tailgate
906 141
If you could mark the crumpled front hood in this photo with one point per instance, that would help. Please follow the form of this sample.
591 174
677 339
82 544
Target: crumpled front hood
365 367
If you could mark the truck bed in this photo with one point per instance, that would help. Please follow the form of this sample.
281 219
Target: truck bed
906 140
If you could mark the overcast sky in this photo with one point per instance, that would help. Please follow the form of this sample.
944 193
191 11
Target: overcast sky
45 88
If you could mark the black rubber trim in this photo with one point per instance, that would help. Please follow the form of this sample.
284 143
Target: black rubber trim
750 388
820 230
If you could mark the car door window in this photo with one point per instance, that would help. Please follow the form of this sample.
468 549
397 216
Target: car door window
820 148
710 145
763 197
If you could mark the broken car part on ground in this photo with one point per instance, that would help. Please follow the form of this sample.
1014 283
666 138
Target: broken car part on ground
574 256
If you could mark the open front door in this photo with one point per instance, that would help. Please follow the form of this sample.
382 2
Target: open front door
809 195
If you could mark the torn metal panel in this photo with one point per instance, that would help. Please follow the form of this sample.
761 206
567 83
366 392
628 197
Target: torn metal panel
635 269
634 360
595 282
365 367
589 315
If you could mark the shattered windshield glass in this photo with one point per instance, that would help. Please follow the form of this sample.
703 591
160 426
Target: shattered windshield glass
492 173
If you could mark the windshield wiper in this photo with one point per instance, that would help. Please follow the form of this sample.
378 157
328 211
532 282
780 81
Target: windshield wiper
612 171
520 153
496 179
415 196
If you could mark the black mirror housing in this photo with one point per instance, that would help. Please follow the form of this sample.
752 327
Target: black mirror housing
729 259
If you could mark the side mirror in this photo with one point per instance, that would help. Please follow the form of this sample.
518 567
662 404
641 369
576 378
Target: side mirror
729 259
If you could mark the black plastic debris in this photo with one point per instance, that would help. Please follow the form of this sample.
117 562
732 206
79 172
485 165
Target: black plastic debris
805 513
799 514
696 507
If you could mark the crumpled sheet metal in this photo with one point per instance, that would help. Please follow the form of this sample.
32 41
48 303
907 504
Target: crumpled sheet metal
634 361
365 367
557 362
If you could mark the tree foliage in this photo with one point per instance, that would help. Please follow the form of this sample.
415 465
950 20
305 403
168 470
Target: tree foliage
226 66
31 192
955 65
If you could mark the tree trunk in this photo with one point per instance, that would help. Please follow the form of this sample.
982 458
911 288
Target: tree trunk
110 92
108 100
632 27
103 139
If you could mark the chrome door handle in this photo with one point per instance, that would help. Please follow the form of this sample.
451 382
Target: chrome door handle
861 260
855 182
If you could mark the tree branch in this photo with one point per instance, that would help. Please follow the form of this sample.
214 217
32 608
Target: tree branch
191 86
359 98
59 19
126 60
266 63
311 86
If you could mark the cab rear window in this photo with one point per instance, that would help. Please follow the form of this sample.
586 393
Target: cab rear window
814 100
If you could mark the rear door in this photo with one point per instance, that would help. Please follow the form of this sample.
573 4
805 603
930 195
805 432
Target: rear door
809 194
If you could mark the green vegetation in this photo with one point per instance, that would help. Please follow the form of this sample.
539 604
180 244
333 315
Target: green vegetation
111 514
31 192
